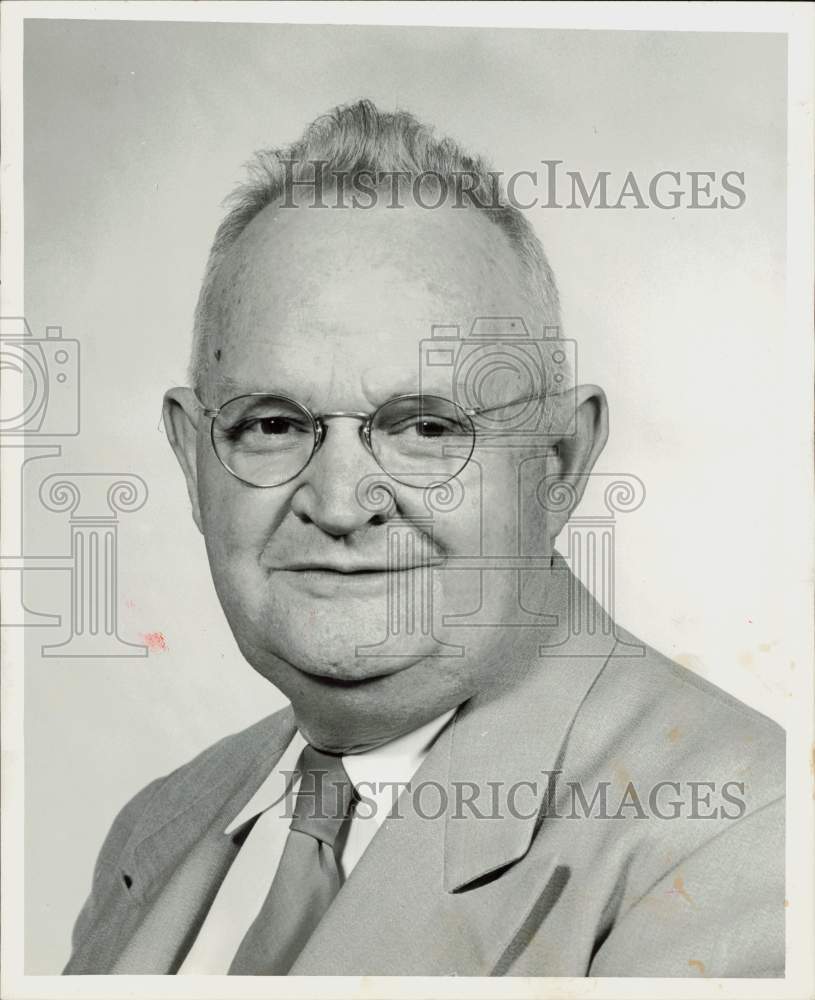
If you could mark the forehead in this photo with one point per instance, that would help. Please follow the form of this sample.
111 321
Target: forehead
307 294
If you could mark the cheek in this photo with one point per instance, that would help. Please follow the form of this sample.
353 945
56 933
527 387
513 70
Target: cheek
492 508
479 513
449 513
514 520
237 519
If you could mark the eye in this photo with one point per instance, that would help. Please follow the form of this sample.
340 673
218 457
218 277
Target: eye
420 424
422 427
432 428
265 427
273 425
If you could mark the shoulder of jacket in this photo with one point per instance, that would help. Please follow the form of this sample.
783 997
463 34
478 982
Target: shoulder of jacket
659 720
232 754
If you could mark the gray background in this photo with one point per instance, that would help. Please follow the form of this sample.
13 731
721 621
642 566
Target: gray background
133 134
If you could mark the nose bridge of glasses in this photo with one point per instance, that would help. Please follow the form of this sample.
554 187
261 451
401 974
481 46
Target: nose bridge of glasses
351 414
364 430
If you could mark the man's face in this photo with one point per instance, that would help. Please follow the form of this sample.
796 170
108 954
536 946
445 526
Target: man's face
329 307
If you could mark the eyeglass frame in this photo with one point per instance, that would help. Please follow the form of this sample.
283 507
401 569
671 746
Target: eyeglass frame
367 419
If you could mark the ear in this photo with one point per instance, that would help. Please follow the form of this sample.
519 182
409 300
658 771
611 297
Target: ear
578 451
181 413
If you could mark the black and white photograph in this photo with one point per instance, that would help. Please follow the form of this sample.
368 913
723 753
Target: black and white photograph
407 544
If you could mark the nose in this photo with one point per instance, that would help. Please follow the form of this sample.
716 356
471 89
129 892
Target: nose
335 492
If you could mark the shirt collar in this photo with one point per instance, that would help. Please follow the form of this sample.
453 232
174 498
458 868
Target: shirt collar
396 761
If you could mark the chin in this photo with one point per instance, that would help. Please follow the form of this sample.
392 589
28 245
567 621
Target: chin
339 643
337 661
349 716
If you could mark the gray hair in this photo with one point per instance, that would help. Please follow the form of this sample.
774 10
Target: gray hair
360 140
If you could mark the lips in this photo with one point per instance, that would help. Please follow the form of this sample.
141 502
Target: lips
352 569
328 581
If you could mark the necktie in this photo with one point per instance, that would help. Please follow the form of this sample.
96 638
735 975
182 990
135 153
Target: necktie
308 876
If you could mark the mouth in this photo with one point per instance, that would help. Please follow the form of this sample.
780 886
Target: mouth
352 683
344 582
363 569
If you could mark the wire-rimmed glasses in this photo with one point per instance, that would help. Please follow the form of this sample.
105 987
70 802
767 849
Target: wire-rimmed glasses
267 440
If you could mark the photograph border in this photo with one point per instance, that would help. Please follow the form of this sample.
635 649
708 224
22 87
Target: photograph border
793 20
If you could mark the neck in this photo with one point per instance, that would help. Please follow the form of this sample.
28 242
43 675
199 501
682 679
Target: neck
352 732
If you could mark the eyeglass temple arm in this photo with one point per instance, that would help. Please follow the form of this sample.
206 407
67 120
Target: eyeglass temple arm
207 411
477 411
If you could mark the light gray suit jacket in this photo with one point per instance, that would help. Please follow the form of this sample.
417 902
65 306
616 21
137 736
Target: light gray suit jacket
540 891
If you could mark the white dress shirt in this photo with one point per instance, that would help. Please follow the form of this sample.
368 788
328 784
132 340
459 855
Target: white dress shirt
378 775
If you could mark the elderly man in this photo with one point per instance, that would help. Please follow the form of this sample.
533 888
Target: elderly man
470 778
